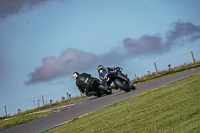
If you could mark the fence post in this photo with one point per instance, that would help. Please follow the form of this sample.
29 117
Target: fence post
42 99
5 111
155 68
193 57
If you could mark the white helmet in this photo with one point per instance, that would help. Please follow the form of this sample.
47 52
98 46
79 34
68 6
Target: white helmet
75 75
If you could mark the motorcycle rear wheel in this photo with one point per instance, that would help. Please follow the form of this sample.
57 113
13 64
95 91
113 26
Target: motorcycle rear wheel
102 88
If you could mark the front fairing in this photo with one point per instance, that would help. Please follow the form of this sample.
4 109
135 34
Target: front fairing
124 79
122 76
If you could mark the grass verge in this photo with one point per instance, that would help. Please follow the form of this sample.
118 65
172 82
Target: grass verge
172 108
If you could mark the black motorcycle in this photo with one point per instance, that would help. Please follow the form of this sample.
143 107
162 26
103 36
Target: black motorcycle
99 86
102 90
120 80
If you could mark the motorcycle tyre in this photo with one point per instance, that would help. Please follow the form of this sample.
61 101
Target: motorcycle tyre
133 87
99 94
122 86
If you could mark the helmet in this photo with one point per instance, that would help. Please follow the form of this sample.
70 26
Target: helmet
100 67
75 75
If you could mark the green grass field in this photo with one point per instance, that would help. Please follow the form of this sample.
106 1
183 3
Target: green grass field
172 108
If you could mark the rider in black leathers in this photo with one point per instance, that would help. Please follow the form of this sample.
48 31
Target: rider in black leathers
87 84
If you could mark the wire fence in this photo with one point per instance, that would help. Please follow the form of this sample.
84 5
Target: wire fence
197 55
134 73
59 96
37 102
22 106
2 112
163 65
140 71
174 62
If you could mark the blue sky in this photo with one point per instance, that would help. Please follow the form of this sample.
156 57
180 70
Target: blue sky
42 42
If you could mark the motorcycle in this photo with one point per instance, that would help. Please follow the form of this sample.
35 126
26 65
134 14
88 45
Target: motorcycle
120 80
100 88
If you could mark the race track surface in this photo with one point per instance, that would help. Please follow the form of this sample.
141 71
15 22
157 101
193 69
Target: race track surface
82 107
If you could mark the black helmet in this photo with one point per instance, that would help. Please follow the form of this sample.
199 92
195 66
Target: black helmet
75 75
100 67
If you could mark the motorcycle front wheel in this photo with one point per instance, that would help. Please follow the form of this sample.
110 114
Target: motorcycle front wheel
122 86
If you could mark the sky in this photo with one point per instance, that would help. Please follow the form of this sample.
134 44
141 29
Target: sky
42 42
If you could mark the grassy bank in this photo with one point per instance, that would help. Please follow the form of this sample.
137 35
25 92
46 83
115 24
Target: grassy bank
173 108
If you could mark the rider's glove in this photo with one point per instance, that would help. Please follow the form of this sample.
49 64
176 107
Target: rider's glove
107 79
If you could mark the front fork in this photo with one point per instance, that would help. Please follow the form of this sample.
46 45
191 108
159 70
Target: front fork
130 84
127 79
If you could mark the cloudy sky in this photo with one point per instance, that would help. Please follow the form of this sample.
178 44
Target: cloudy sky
42 42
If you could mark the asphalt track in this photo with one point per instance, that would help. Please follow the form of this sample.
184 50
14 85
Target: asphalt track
83 107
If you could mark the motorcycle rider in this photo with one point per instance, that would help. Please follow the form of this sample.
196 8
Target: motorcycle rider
102 75
87 84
